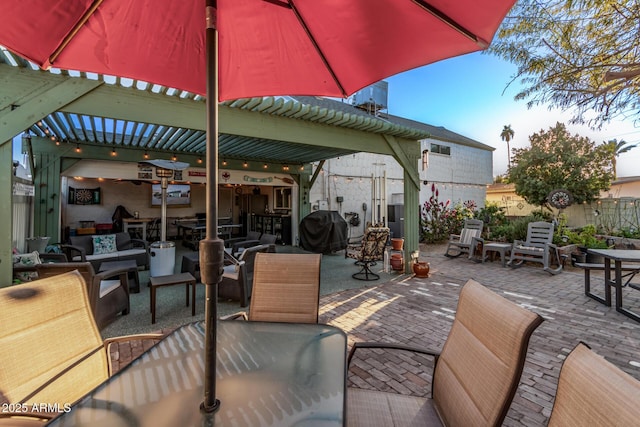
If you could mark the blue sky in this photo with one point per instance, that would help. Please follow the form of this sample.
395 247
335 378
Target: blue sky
465 95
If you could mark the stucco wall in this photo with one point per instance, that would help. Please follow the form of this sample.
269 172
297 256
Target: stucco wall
461 176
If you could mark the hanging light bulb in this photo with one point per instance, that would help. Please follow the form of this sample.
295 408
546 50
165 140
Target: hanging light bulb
78 148
113 152
199 160
174 158
146 154
265 166
245 164
224 162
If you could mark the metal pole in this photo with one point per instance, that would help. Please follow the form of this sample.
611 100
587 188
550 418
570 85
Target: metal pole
211 247
164 183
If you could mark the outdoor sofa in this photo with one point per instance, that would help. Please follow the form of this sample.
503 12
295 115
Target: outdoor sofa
107 247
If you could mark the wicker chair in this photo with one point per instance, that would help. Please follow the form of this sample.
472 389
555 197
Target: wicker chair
264 239
461 243
475 376
108 291
237 278
50 347
368 252
594 392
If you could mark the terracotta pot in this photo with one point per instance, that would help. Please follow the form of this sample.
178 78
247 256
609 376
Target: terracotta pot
397 244
421 269
396 263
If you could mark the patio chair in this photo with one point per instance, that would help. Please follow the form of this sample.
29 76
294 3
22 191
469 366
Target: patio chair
50 347
264 239
108 291
475 376
237 278
538 247
251 235
461 243
286 288
594 392
370 250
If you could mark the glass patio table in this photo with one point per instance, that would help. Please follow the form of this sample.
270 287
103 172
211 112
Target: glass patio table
267 374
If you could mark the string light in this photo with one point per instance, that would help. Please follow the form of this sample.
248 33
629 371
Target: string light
113 152
265 166
285 167
174 158
245 164
224 162
199 160
146 154
78 149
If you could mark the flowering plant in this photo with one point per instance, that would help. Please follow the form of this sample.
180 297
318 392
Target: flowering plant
439 219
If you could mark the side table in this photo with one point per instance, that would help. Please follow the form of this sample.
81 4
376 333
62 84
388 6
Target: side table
170 280
502 248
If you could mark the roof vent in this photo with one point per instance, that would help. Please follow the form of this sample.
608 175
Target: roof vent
372 98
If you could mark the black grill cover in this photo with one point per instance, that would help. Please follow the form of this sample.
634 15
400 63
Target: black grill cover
323 232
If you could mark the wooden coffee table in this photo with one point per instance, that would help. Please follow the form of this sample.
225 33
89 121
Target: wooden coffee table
170 280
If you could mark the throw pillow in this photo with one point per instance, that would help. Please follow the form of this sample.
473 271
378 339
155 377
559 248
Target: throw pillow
32 258
26 260
104 244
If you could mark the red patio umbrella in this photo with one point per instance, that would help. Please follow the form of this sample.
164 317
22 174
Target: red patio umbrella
266 47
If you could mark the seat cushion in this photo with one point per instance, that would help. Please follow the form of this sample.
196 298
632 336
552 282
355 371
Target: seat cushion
131 252
108 286
467 235
368 408
96 257
231 271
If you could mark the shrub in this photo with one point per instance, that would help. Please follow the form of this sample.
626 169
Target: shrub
516 229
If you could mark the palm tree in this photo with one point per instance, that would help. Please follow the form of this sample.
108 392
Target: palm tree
616 148
507 135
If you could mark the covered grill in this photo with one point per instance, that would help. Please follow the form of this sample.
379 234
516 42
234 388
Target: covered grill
323 232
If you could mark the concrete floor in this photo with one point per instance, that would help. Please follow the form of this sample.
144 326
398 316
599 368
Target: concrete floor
335 275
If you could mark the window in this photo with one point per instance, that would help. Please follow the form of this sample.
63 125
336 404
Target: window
282 197
441 149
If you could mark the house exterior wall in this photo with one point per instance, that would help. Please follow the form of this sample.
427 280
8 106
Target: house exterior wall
463 175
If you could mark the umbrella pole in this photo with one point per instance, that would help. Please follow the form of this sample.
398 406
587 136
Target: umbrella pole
211 247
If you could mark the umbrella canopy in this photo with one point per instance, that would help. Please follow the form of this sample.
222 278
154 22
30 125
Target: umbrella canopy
265 47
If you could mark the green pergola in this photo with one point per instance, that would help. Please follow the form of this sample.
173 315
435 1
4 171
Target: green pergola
100 114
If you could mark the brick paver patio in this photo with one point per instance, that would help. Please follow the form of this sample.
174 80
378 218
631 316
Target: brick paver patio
419 312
